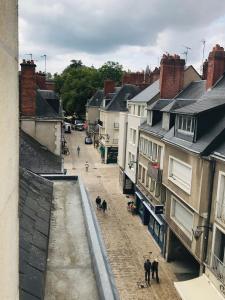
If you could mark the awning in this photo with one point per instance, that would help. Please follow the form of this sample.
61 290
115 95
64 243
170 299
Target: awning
198 288
139 195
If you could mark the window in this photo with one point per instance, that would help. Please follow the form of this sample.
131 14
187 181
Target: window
143 175
131 159
139 110
139 171
150 149
180 174
182 216
220 210
149 117
152 186
129 108
133 134
185 125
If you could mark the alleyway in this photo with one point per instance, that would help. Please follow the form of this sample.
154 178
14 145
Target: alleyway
127 240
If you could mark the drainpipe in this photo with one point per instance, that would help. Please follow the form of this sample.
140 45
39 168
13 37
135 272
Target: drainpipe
207 228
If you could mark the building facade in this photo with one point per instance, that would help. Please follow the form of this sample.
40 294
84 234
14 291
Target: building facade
9 152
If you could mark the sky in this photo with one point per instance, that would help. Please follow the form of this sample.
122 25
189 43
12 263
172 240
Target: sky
133 33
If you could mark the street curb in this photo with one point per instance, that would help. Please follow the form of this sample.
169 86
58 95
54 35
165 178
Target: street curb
103 273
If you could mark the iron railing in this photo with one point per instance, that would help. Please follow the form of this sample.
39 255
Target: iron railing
218 268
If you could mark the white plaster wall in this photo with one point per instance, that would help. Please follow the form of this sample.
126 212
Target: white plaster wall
109 118
133 122
47 133
9 151
122 139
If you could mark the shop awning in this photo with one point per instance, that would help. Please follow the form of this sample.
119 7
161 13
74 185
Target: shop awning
153 213
198 288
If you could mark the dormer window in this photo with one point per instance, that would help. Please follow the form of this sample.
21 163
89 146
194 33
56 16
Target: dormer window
185 125
149 117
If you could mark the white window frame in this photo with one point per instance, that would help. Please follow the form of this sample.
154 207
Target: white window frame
177 181
184 129
221 177
178 223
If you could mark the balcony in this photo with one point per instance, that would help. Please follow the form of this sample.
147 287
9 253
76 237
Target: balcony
218 268
154 171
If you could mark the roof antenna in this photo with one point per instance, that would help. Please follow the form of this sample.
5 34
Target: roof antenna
30 54
45 56
203 50
186 52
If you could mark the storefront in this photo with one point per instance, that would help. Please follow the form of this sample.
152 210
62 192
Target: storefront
112 154
155 223
128 185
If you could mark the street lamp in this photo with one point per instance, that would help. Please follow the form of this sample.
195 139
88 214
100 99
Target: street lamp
131 163
197 232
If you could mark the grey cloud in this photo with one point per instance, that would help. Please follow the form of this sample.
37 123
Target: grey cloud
95 26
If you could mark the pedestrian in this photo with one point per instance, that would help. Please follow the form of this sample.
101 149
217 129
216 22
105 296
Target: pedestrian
78 150
147 268
104 206
98 202
155 266
86 166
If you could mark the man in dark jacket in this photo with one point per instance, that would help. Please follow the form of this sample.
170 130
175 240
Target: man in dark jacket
104 205
155 265
147 268
98 202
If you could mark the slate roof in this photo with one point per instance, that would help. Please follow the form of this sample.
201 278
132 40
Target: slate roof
208 101
35 200
205 143
148 93
37 158
156 129
160 104
48 105
119 101
193 91
220 150
96 99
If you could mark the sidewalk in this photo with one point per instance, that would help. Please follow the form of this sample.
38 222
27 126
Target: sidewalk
127 241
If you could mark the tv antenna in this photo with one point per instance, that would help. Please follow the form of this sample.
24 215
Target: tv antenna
186 52
45 57
203 50
29 54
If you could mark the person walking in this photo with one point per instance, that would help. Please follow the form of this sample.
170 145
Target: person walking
86 166
98 202
155 266
147 268
104 206
78 150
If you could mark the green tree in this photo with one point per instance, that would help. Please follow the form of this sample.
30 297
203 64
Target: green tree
111 70
77 83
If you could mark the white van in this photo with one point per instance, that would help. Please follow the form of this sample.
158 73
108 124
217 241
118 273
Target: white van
67 127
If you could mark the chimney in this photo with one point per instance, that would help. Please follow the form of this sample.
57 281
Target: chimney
155 75
205 70
109 86
28 88
40 80
216 65
171 75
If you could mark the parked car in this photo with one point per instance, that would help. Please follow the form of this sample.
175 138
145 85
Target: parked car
88 140
79 127
67 127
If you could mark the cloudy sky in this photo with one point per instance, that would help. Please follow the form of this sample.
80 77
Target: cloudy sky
134 33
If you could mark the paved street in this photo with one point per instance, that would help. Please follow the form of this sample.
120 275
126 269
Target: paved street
127 240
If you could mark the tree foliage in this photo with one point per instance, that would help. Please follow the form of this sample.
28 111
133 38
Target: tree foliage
77 83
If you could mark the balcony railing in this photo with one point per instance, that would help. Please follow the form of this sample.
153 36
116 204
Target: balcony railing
220 212
218 268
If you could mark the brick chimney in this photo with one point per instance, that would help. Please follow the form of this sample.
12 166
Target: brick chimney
136 78
205 70
40 80
155 75
28 88
109 86
216 65
171 75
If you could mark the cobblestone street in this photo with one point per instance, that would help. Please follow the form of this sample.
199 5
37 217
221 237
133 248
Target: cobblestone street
127 241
